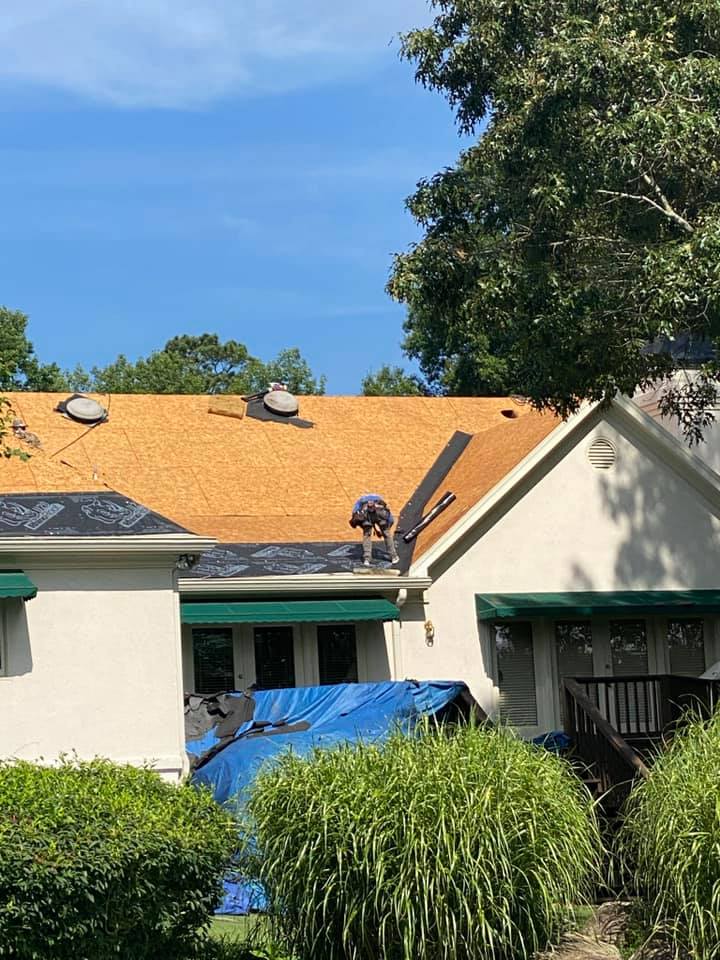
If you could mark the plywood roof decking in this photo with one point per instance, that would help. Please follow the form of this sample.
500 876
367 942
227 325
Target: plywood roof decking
244 480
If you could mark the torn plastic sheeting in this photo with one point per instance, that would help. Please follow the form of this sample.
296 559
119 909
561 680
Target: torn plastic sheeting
344 713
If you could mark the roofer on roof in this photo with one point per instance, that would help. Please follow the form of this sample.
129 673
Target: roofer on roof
372 513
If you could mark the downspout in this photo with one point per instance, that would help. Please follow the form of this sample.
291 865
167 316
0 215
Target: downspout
398 670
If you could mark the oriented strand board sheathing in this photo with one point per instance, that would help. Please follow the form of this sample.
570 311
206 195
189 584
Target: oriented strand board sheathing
487 459
228 407
249 480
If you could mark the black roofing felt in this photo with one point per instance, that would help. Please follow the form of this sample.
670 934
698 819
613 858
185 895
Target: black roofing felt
687 349
282 559
78 515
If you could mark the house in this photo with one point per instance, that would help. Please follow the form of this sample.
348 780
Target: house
171 543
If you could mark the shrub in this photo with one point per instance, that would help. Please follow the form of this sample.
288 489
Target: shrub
671 839
465 844
100 861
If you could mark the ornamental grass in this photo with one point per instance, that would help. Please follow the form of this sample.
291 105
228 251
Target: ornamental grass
463 843
670 841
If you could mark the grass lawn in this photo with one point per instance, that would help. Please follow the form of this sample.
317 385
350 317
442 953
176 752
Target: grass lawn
236 929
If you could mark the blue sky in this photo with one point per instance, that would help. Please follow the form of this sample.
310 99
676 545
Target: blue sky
234 166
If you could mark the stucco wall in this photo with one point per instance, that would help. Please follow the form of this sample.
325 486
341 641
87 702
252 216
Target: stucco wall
93 667
635 526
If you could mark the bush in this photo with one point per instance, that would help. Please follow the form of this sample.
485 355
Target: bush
465 844
100 861
671 839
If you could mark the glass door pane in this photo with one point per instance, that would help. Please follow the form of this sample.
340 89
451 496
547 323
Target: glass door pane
516 673
686 644
213 659
337 654
274 658
574 652
629 649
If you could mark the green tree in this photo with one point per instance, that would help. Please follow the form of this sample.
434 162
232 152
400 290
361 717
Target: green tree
388 381
20 369
584 222
199 364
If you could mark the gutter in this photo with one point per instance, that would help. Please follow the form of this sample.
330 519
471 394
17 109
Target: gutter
149 544
311 583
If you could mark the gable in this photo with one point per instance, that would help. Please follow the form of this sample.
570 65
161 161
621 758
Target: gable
569 526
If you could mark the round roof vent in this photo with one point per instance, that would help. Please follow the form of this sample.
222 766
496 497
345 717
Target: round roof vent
282 402
85 410
601 454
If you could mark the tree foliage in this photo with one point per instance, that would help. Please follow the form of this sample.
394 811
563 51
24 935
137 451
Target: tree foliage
584 223
20 369
389 381
199 364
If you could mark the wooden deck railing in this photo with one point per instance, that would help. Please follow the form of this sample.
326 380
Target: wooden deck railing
616 723
607 755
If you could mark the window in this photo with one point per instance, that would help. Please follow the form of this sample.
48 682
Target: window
686 644
274 658
629 649
516 673
213 659
628 643
337 654
574 652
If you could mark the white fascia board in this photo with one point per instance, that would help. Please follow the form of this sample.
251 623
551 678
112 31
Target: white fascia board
148 545
312 583
502 489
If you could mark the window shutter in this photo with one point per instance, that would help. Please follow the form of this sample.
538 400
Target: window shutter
516 674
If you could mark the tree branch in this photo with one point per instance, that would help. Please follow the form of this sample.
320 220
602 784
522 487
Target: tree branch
665 203
663 207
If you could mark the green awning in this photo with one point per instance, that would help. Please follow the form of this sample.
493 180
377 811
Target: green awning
14 583
499 606
289 611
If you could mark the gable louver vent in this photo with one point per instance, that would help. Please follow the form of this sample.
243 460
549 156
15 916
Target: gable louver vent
601 454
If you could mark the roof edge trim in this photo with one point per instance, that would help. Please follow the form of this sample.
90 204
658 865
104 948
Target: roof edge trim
311 583
148 544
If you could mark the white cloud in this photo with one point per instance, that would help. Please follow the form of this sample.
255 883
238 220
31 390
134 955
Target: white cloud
172 53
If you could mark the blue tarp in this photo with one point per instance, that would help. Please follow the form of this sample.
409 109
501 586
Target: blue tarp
335 714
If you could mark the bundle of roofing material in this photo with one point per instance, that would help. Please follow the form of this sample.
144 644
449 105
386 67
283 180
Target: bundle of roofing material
301 719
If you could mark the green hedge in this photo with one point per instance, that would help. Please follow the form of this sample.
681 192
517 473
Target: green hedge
671 840
467 844
100 861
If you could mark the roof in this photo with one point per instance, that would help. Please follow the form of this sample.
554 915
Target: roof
199 462
487 459
103 513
